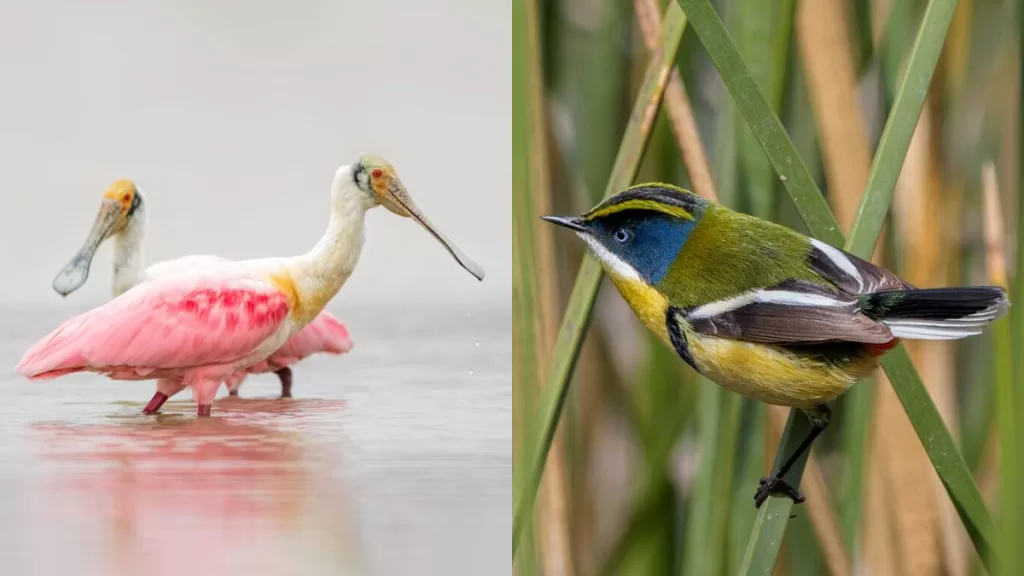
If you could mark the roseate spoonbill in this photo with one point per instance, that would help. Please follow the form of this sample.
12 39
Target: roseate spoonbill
200 325
123 217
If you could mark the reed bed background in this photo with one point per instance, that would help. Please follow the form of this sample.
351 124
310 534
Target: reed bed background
892 124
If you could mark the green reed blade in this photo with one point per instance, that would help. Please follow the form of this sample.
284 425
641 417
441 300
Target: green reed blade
1011 434
758 113
773 516
899 128
865 46
857 417
581 302
764 32
699 558
523 296
750 459
1009 465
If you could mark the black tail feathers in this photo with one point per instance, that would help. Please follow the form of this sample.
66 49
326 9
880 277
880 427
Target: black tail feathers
936 313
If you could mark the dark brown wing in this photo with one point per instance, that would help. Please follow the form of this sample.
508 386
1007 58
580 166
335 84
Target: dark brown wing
794 312
849 273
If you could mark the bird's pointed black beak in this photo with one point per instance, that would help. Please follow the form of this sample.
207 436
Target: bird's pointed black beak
570 222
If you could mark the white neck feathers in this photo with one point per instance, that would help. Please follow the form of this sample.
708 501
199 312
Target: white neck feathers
320 273
129 269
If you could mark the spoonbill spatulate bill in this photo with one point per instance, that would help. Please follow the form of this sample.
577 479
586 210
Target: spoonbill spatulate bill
123 217
205 323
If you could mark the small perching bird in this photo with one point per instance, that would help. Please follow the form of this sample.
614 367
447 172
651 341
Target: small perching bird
123 217
761 309
205 323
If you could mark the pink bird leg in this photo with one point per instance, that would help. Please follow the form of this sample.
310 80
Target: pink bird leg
325 334
195 331
234 381
165 388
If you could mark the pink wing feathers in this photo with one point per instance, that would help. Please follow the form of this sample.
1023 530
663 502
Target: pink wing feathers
325 334
167 323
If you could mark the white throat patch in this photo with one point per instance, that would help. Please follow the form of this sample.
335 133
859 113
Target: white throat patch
612 263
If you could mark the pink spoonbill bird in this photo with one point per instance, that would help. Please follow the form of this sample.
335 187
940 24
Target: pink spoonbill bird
202 324
123 217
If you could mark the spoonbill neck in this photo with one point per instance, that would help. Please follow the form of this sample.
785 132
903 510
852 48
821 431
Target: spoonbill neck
319 274
129 269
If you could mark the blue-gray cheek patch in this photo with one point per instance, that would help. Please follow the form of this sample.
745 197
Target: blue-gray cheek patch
656 244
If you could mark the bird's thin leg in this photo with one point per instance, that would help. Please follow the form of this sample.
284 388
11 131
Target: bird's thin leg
234 382
818 426
285 374
155 403
775 484
165 388
204 390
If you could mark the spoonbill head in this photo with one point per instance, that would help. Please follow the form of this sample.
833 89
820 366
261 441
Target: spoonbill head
122 214
375 176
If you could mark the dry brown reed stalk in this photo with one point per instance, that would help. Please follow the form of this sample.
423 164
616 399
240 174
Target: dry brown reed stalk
832 85
880 540
677 106
957 48
1007 108
995 261
589 399
588 516
995 239
552 519
945 202
880 10
955 543
988 470
584 512
781 566
880 535
914 512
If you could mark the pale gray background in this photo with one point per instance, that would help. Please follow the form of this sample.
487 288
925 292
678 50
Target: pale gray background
232 116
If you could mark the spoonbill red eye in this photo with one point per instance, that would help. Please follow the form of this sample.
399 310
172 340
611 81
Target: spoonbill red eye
377 173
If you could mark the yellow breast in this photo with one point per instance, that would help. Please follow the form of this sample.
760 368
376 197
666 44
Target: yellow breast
767 373
647 303
773 374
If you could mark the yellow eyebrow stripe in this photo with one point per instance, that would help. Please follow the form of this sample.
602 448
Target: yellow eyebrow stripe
640 204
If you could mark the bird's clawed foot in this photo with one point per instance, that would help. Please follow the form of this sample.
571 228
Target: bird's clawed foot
204 410
775 485
155 403
818 417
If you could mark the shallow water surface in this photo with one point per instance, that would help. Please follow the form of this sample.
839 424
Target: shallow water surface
393 459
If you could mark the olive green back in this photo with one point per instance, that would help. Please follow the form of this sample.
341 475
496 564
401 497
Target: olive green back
729 253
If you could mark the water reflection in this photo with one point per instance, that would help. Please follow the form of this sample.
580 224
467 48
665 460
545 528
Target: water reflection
225 495
390 460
